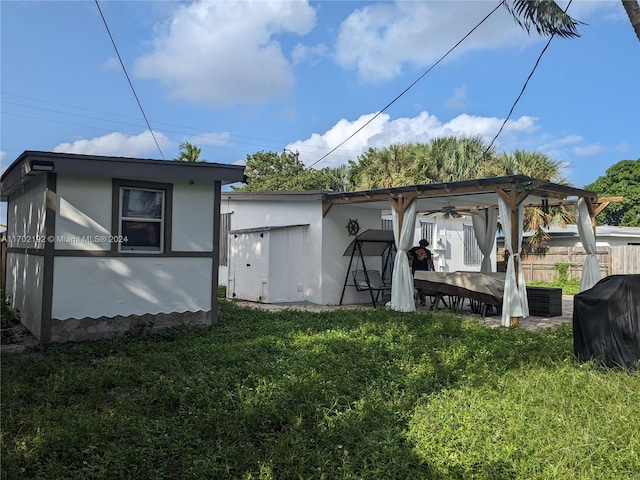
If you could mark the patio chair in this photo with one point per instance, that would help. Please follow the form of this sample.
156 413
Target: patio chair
372 281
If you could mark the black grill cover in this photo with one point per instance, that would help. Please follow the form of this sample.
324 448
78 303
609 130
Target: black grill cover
606 322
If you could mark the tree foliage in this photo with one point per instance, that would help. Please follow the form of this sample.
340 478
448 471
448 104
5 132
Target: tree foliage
620 180
444 159
545 16
271 171
189 153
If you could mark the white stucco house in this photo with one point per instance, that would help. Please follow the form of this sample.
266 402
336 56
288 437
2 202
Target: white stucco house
98 246
291 246
283 248
606 236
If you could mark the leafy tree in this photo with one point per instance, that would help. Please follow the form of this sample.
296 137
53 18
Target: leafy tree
189 153
620 180
270 171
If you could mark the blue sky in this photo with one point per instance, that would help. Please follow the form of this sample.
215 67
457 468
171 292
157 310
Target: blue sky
239 77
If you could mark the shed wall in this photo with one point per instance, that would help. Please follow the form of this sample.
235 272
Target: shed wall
96 287
25 275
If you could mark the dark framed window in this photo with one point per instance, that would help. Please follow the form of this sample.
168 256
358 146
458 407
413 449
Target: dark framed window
142 217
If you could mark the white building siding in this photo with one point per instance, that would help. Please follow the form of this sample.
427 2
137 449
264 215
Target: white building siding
83 216
192 217
25 286
335 241
251 214
25 218
95 287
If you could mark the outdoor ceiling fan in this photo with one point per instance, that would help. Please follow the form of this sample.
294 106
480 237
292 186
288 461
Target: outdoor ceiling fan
450 210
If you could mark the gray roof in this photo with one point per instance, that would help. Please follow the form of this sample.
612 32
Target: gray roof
22 170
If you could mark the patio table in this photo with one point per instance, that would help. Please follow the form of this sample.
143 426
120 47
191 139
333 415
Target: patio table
481 288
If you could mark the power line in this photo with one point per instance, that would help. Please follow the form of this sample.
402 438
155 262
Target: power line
535 66
185 130
409 87
129 80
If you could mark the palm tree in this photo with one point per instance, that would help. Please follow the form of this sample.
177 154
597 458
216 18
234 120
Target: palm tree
633 12
549 19
189 153
540 166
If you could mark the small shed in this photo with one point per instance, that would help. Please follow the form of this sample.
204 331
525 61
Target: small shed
267 264
97 246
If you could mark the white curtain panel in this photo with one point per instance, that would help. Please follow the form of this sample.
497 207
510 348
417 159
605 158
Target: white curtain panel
514 302
590 269
485 225
402 299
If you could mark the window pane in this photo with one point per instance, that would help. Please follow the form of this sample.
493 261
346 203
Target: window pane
225 226
141 235
426 231
472 253
387 224
141 203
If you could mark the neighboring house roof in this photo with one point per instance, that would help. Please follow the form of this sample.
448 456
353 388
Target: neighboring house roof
32 163
601 231
275 196
266 229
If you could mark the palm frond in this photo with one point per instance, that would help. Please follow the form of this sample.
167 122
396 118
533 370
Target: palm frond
545 16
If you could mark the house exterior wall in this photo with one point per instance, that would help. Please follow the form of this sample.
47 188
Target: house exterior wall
447 243
109 287
251 214
335 240
83 216
26 217
97 293
25 275
323 266
192 216
26 230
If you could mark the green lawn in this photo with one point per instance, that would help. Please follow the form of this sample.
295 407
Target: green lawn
334 395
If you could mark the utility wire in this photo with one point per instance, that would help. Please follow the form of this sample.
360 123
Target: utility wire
186 130
521 91
129 80
408 88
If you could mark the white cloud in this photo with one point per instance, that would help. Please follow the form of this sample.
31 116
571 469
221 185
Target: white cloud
118 144
377 40
222 53
383 131
311 55
458 99
589 150
112 63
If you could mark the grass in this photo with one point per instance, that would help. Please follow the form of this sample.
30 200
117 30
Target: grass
331 395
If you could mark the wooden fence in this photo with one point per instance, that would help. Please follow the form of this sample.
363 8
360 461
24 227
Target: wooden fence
546 267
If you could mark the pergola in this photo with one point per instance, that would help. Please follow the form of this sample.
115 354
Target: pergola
484 199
